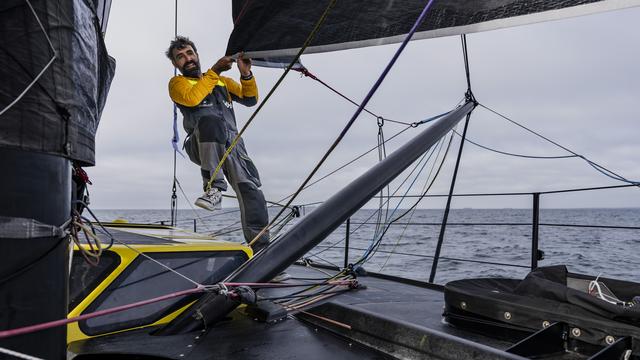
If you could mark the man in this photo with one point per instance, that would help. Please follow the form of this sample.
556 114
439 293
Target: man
206 103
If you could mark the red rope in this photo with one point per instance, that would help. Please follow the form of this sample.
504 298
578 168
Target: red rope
61 322
273 285
241 13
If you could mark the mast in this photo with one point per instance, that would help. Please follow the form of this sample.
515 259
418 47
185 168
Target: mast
316 226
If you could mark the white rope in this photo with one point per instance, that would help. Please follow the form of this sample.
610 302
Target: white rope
154 260
53 58
191 206
18 355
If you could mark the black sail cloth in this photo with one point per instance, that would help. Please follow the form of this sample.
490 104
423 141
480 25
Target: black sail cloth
278 28
546 295
60 113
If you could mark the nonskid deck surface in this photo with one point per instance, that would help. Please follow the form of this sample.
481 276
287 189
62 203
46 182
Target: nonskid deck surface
294 338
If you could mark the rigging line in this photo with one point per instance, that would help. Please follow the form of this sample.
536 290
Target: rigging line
424 256
157 262
368 97
513 154
202 222
465 55
175 139
406 225
310 38
432 150
417 202
51 324
592 163
112 238
304 71
18 355
381 155
324 260
413 125
376 241
241 13
303 296
53 58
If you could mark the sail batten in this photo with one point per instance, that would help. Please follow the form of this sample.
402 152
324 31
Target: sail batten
277 28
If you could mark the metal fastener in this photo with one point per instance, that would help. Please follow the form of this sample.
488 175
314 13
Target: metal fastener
609 339
576 332
545 324
507 315
463 305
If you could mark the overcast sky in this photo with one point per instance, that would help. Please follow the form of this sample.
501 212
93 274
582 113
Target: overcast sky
576 81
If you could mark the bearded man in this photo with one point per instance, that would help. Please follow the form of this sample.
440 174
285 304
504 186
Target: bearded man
206 103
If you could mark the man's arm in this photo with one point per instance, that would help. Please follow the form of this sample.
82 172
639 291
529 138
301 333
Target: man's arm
190 92
245 93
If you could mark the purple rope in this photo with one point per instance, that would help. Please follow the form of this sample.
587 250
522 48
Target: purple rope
390 64
382 76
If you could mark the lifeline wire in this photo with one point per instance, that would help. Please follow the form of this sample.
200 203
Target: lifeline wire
53 58
273 89
368 97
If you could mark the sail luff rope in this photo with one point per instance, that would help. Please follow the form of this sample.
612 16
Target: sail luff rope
368 97
35 80
273 89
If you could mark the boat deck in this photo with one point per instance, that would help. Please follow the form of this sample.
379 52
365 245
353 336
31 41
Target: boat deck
387 317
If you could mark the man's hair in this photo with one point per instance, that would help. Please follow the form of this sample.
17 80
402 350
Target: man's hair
180 42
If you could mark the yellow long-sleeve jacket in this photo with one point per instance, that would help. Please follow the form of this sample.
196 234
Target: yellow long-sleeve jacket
211 95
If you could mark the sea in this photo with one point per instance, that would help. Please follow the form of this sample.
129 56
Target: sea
476 242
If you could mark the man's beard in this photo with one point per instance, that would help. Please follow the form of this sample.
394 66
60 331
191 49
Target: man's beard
193 72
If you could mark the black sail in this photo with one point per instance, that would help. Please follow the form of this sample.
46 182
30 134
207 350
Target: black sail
278 28
62 42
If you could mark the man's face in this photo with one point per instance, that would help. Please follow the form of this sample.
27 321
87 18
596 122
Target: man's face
186 60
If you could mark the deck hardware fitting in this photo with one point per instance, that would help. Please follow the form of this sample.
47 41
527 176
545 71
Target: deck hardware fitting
545 324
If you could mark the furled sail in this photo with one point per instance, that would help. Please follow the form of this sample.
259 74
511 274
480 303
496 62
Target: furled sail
278 28
55 75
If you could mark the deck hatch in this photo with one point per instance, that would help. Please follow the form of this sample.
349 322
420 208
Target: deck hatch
144 279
